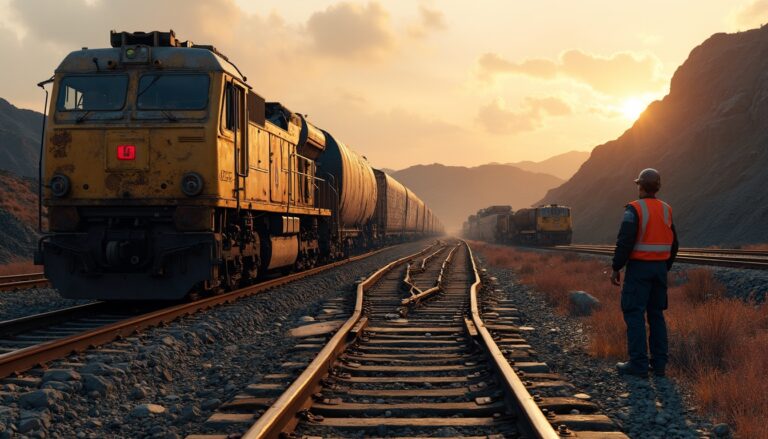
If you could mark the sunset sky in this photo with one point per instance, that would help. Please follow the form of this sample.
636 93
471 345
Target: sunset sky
407 82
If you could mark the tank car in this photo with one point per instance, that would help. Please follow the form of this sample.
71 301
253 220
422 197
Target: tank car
391 208
493 224
166 173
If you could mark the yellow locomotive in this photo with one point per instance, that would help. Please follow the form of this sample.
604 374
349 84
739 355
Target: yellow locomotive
166 173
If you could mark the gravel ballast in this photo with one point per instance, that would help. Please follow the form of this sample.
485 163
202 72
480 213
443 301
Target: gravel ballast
21 303
166 381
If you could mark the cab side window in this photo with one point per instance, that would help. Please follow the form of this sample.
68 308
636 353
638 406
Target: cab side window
228 116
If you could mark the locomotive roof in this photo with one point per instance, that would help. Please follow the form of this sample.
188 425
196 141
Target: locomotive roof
170 58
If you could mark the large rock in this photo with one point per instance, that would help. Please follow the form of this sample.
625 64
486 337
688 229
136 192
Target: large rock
93 383
144 410
43 398
60 375
583 303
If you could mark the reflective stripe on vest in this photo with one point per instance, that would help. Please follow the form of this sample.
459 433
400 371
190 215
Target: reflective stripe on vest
654 234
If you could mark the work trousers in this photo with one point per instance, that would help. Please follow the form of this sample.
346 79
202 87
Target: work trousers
645 295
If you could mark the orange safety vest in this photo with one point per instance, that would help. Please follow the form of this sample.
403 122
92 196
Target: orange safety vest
654 230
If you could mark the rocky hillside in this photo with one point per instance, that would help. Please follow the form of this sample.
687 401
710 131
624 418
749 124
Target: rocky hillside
561 166
18 217
709 139
19 139
455 192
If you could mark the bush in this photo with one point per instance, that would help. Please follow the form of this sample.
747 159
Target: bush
702 286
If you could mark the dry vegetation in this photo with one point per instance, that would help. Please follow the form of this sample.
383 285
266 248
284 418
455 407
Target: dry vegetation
18 197
718 346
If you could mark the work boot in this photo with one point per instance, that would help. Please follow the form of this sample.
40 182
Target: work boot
659 372
628 369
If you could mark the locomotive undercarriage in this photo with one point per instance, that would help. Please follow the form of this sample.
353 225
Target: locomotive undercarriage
167 253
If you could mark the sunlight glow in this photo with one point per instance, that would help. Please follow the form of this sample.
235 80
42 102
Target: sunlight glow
632 108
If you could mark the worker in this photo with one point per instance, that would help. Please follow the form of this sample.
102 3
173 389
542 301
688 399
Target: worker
647 246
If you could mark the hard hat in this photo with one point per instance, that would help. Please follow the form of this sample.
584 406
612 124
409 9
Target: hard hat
649 179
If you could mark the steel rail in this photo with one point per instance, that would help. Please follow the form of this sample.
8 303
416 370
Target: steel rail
540 426
18 281
281 415
35 321
416 299
699 258
727 252
37 355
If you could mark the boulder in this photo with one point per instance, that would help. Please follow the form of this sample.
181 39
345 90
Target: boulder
42 398
582 303
144 410
93 383
60 375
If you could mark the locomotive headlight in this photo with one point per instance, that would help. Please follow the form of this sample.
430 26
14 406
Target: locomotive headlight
60 185
192 184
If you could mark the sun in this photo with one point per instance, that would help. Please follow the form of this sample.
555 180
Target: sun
632 108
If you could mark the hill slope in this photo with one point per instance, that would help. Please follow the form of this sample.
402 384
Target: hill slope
18 217
19 139
455 192
561 166
709 139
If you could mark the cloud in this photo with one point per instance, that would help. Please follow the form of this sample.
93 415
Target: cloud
496 118
69 23
620 74
430 20
352 31
753 14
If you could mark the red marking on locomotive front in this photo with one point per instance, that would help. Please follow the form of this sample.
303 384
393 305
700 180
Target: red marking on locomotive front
126 152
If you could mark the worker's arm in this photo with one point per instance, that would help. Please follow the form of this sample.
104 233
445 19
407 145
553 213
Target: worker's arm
673 251
625 242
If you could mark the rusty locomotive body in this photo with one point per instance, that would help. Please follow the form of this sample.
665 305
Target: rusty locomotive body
165 174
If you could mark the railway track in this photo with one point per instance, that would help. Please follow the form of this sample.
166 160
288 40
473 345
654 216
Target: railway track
31 341
751 259
417 358
22 281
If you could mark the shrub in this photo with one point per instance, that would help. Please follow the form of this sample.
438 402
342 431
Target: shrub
702 286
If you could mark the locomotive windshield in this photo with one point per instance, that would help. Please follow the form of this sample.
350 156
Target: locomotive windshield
554 211
92 93
168 91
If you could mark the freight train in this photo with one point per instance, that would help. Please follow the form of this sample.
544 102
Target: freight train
543 225
166 174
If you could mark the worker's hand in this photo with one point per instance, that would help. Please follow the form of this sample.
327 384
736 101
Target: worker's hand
616 278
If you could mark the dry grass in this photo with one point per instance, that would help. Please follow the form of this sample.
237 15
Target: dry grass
718 346
19 197
22 267
701 286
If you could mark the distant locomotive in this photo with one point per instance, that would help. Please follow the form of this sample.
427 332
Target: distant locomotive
543 225
165 173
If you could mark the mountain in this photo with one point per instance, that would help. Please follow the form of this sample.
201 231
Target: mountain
561 166
709 139
19 139
455 192
18 217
